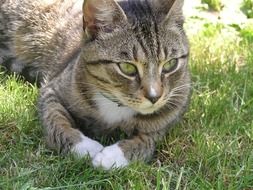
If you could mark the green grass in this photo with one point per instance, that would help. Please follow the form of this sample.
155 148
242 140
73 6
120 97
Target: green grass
247 8
211 148
213 5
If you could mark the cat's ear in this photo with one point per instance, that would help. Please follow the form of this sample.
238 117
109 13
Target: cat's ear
102 16
170 9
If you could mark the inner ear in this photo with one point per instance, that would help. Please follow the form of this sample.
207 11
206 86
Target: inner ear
102 16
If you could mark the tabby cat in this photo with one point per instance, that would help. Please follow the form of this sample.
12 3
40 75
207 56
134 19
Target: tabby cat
103 65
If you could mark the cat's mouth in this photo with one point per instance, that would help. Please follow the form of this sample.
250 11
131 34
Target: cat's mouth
148 110
145 108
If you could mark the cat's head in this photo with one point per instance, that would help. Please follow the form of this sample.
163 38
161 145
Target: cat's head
135 52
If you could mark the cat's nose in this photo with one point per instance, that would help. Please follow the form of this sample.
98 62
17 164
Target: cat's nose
153 93
153 99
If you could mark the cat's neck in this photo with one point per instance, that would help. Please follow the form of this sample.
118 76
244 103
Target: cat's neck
112 112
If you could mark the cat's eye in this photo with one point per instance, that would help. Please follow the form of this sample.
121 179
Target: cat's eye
170 66
128 69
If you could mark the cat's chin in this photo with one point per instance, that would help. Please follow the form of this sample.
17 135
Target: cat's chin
147 110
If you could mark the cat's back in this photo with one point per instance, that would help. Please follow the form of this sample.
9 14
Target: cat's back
39 35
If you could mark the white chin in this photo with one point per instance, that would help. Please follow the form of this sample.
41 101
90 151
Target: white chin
147 110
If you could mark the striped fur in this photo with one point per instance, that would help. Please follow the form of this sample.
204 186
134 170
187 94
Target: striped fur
83 88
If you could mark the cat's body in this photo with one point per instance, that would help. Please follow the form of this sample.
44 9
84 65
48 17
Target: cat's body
127 71
39 36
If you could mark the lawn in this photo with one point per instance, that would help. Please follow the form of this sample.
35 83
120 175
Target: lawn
211 148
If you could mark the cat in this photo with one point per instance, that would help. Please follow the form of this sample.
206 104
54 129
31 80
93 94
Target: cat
103 65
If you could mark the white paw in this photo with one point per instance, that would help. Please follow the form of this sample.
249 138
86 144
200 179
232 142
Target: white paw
110 157
87 147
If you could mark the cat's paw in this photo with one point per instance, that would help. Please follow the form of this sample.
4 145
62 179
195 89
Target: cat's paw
87 147
110 157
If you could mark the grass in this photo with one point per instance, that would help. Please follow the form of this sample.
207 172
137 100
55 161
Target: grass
247 8
211 148
213 5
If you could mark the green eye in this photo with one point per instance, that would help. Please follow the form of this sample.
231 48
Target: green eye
128 69
170 66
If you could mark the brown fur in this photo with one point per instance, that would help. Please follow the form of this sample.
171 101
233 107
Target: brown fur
76 67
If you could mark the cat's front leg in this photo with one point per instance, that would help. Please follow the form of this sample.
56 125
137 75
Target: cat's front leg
59 127
140 147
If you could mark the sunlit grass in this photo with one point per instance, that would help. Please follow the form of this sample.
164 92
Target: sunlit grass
211 148
247 8
214 5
